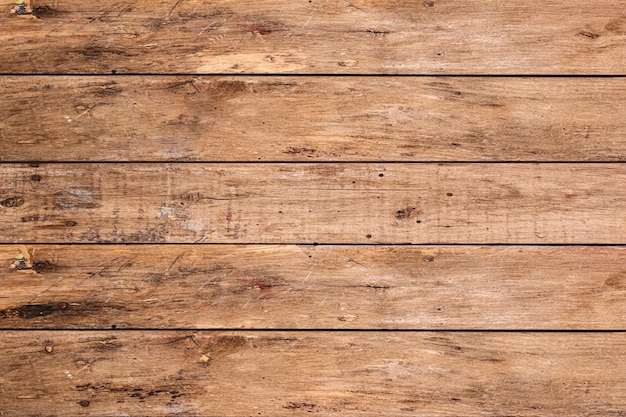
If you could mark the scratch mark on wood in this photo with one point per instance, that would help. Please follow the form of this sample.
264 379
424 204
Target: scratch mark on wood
174 6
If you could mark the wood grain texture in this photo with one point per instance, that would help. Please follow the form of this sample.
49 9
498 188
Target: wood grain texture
312 119
312 287
313 203
300 373
316 37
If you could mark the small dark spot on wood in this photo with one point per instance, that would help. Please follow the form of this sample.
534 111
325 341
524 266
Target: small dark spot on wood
449 194
43 11
589 35
377 32
49 349
381 175
405 213
35 177
70 223
43 266
418 221
428 258
31 218
113 326
295 151
455 399
84 403
491 360
12 202
455 144
113 71
34 164
377 287
296 406
428 3
368 236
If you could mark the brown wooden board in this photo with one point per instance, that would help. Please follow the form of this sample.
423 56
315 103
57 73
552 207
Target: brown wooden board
312 287
314 37
312 119
313 203
247 373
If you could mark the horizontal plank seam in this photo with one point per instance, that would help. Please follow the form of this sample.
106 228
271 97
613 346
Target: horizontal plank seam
618 245
220 74
303 330
338 162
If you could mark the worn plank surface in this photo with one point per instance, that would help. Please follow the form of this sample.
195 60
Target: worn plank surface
317 36
313 203
312 119
361 374
353 287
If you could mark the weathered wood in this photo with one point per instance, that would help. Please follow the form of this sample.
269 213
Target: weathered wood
312 119
313 203
277 36
357 287
296 373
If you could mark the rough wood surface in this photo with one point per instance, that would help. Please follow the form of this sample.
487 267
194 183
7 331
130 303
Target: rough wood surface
353 287
312 119
313 203
317 36
301 373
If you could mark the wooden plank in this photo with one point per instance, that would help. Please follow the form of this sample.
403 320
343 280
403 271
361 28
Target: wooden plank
278 36
313 203
296 373
312 119
332 287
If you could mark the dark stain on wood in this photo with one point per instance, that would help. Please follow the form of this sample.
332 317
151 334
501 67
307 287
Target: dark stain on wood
12 202
32 311
406 213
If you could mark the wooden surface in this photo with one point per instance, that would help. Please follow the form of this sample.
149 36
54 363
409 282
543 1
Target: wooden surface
314 203
356 373
315 37
313 287
343 208
312 119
